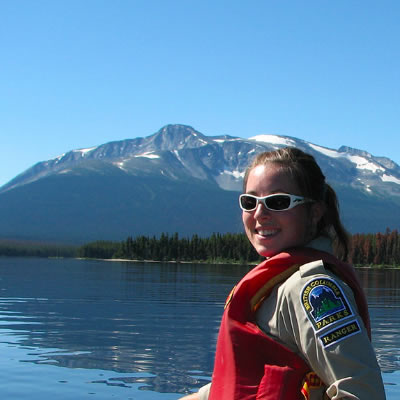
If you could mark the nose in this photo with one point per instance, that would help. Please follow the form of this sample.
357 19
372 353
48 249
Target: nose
261 211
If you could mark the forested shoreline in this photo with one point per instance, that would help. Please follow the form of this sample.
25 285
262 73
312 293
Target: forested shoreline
372 249
214 249
19 248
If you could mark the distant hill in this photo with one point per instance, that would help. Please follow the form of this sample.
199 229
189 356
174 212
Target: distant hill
177 180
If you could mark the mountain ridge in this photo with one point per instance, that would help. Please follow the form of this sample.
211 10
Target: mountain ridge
182 158
178 138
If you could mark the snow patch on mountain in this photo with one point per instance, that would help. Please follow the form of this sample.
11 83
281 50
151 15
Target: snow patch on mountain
147 155
360 162
56 159
367 187
390 178
363 163
227 140
325 151
201 140
176 152
273 139
120 164
84 151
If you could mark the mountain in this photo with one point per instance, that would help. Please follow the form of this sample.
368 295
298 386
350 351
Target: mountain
178 180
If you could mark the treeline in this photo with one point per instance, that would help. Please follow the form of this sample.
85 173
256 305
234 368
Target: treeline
16 248
216 248
366 249
375 249
382 249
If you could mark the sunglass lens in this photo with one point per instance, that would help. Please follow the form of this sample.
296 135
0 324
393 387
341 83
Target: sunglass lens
248 203
280 202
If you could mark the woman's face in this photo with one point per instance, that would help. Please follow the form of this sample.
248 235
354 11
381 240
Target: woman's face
270 232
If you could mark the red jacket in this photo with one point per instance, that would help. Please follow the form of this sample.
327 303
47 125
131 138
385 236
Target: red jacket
249 365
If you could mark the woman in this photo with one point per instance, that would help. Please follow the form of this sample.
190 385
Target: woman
297 325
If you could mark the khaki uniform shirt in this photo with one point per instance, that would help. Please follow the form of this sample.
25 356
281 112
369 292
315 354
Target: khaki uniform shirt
314 314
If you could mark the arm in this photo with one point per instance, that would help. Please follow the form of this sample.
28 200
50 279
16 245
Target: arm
331 336
326 331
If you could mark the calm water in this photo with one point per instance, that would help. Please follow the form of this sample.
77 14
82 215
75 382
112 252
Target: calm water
72 329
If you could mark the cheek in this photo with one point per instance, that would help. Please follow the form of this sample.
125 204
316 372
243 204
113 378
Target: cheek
248 223
246 218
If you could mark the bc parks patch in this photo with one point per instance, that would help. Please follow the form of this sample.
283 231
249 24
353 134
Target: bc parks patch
324 303
340 333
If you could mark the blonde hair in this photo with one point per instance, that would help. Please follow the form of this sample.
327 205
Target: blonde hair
308 176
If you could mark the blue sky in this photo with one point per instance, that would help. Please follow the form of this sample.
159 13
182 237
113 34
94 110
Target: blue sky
79 73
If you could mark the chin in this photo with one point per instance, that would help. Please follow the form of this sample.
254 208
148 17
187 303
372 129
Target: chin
268 252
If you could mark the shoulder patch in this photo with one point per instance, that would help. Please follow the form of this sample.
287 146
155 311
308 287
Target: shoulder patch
324 303
338 334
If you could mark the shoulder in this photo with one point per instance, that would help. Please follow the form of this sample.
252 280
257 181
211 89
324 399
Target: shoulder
320 296
314 277
312 273
320 320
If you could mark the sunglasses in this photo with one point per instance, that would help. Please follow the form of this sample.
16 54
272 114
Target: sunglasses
273 202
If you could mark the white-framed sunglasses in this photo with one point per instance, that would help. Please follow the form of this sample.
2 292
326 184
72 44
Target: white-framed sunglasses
273 202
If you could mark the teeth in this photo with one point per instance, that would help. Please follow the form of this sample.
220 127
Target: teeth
267 232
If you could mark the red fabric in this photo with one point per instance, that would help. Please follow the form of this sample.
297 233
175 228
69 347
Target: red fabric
249 365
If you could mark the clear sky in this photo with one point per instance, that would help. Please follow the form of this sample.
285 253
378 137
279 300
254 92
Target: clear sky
80 73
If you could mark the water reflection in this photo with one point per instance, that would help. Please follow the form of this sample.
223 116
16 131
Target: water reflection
150 319
153 326
383 292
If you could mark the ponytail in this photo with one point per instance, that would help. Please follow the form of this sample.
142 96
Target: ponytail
331 225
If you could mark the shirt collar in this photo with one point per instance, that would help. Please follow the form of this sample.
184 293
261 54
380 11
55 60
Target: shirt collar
321 243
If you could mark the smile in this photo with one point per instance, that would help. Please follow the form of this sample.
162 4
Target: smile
267 232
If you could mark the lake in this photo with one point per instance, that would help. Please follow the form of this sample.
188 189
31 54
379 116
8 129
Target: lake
79 329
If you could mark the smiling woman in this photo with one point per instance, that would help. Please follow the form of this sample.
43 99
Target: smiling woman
270 231
297 325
